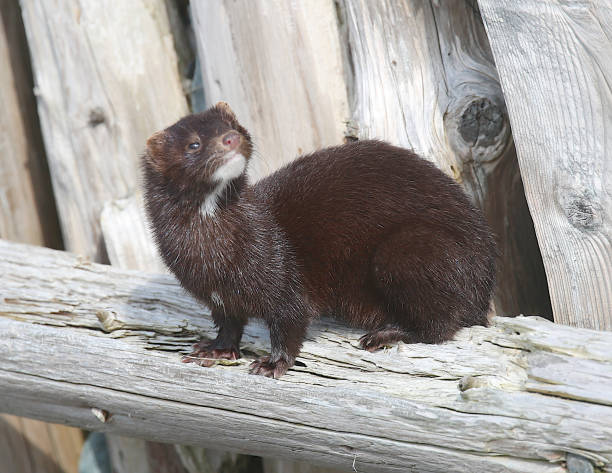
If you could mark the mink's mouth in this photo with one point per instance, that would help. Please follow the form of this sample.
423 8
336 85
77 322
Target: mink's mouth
230 155
233 164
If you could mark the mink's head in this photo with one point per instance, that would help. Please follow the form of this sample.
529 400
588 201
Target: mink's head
200 152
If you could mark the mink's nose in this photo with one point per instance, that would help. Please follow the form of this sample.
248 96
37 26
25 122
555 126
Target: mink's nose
156 140
231 140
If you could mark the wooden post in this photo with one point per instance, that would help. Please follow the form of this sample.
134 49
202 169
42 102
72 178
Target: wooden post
106 78
27 208
99 347
555 68
279 65
32 446
423 77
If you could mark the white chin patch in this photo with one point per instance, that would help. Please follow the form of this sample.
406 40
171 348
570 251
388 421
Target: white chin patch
233 167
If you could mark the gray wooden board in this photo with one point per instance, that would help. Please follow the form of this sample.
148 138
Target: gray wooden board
514 397
555 67
279 65
105 78
27 207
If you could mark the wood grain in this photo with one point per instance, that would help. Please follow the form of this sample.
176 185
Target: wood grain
27 207
423 77
32 446
515 397
279 65
106 78
127 238
556 72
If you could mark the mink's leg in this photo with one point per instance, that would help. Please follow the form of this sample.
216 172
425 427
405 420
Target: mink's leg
286 335
225 346
372 341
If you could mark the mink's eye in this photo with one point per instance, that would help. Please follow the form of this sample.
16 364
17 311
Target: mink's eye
194 145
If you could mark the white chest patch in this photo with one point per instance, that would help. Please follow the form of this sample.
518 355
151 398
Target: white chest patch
216 299
232 167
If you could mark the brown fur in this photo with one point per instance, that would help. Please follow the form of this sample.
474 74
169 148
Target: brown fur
367 232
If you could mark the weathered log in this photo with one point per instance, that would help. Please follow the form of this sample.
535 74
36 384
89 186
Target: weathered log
423 77
279 65
106 78
96 346
555 68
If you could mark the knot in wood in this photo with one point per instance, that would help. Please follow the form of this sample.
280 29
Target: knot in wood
351 131
481 122
465 383
96 116
582 213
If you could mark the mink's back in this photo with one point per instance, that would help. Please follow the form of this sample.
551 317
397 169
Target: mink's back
337 205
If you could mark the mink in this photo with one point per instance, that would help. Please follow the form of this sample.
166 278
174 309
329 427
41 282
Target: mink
366 232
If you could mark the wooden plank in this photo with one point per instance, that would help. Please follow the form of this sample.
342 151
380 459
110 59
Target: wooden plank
96 346
106 78
31 446
555 68
27 208
128 241
279 65
423 77
274 465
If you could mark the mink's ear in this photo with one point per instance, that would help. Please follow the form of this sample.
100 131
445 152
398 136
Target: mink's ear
225 108
154 153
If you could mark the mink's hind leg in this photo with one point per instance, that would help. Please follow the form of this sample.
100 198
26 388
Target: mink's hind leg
226 346
429 284
372 341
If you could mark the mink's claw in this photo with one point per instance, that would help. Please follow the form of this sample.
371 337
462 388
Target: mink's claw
270 369
206 357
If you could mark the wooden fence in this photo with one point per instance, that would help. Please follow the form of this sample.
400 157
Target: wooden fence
512 99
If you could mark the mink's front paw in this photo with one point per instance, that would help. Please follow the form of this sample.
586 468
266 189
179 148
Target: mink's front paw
271 369
204 354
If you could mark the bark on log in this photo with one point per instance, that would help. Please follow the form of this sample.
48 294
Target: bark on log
279 65
96 346
423 77
555 68
106 78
